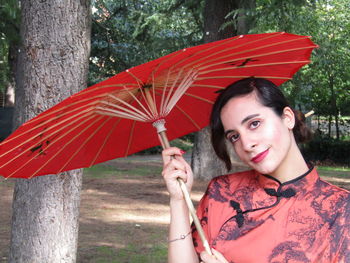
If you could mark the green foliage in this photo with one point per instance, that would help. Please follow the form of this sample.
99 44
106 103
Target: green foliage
328 150
9 37
128 33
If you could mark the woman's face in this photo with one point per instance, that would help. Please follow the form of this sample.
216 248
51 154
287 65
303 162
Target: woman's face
260 137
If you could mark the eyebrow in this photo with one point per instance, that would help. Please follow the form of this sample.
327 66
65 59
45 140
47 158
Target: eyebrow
249 117
243 121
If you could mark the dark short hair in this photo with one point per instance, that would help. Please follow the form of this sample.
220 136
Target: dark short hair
268 94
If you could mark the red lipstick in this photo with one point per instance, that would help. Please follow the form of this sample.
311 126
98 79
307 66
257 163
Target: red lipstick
259 157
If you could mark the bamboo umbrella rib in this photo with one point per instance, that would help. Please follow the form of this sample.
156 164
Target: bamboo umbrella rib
170 93
31 146
132 110
139 82
198 98
117 113
240 77
204 58
65 145
104 142
153 92
228 60
91 135
37 126
215 55
34 155
165 86
183 87
188 117
83 115
130 138
94 100
256 65
149 113
101 87
134 113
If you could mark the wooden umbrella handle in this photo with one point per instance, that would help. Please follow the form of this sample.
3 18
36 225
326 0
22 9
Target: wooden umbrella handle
166 144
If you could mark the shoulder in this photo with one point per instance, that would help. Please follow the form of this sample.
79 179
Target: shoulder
233 178
221 188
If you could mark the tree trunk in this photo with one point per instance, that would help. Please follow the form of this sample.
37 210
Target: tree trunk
334 107
53 64
205 163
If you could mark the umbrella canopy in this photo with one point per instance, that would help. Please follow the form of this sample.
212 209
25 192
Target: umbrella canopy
113 118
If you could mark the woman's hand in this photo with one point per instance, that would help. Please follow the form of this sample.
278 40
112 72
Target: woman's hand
217 258
175 167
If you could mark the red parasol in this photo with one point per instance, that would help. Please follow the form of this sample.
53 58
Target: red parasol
113 118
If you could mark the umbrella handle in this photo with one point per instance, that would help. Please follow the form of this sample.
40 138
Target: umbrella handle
165 143
194 216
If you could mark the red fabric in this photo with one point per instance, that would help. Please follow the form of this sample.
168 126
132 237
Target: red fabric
311 226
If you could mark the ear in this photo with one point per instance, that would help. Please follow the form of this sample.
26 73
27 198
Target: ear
288 117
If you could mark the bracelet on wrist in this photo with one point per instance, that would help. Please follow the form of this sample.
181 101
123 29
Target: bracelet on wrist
182 237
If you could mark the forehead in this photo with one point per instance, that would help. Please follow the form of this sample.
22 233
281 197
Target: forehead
242 106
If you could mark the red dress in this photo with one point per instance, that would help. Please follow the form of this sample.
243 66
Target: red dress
250 217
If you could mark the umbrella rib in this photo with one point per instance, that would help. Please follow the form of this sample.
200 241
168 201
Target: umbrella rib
170 93
139 102
256 65
222 50
243 76
65 145
22 165
183 87
104 142
99 87
83 115
83 144
247 57
198 98
188 117
45 122
214 56
130 138
117 113
141 84
133 110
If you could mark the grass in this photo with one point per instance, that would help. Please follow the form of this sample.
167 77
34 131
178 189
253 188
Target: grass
335 169
104 171
131 253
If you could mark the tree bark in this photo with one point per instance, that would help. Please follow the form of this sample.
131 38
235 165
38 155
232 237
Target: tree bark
205 163
53 64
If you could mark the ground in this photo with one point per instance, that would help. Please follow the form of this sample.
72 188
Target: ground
124 212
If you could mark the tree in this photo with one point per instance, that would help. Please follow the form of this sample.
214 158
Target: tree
218 25
55 44
9 41
324 85
128 33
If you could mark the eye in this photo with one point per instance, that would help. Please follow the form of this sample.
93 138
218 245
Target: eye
233 137
254 124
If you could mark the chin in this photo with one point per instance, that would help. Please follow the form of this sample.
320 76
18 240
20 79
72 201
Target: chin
264 167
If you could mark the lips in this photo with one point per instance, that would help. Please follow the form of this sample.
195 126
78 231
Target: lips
259 157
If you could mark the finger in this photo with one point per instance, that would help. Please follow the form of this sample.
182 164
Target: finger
169 152
174 165
205 257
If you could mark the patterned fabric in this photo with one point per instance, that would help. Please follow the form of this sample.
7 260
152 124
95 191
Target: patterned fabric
250 217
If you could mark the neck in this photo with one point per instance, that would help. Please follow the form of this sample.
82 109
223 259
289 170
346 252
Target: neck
292 166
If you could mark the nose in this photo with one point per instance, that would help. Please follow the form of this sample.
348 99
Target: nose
248 142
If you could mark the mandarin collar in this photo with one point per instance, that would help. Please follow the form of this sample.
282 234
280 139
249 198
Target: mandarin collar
303 182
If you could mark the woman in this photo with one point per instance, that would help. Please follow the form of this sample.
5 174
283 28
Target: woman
280 211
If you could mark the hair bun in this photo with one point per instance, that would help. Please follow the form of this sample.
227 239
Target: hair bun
302 132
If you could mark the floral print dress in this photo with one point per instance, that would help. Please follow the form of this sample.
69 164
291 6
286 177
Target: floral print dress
250 217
